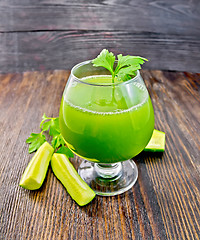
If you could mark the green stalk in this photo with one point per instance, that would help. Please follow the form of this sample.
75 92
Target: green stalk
66 173
113 89
113 77
34 175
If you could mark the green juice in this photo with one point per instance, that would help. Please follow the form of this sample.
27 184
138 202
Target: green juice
105 124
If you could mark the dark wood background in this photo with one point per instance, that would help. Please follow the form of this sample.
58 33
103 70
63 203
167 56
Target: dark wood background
49 34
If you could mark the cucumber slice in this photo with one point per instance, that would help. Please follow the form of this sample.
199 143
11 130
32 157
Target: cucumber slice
35 173
157 142
66 173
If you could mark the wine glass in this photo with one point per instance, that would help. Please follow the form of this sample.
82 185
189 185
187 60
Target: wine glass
106 124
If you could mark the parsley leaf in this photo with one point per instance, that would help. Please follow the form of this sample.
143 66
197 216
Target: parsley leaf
57 141
65 151
54 127
44 118
51 127
126 65
45 126
105 59
35 140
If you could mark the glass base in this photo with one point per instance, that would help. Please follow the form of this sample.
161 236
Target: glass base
109 179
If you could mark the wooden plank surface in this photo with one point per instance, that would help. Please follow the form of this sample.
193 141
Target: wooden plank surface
50 35
164 203
58 49
179 17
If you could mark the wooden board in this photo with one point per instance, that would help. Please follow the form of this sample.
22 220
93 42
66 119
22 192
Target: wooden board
58 50
50 35
164 203
171 17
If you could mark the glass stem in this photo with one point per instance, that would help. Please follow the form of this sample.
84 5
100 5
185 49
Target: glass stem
108 170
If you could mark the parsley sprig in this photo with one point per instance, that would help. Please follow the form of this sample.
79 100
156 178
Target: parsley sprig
51 127
126 65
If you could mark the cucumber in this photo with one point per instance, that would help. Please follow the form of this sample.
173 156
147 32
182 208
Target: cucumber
34 175
157 142
66 173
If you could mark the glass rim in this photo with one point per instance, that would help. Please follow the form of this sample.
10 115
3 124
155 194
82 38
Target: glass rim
99 84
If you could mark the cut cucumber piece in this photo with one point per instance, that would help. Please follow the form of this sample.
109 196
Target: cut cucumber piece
157 142
67 174
35 173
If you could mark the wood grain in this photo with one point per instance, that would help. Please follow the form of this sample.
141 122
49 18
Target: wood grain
48 35
171 17
58 50
164 203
